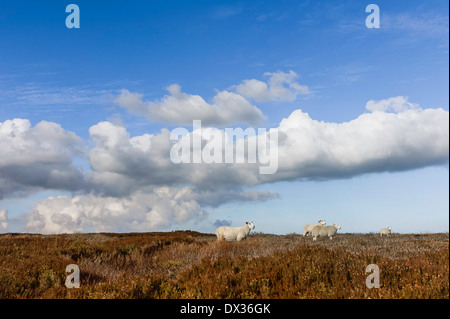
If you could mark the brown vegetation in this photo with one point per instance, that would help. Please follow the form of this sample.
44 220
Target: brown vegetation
186 264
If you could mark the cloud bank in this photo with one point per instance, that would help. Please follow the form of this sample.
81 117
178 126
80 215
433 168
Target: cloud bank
377 141
133 184
145 209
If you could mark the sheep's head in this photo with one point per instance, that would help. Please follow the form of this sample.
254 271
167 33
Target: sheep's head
250 225
322 222
337 226
389 228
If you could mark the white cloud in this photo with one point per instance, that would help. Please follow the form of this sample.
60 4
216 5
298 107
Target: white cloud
133 185
144 210
379 141
393 104
373 142
281 87
122 164
140 211
38 157
228 107
3 219
182 108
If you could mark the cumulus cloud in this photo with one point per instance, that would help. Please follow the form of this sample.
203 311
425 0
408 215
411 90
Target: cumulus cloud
144 210
373 142
36 158
182 108
280 86
134 186
3 219
393 104
228 107
121 164
379 141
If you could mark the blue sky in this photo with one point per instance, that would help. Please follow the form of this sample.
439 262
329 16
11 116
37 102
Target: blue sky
73 77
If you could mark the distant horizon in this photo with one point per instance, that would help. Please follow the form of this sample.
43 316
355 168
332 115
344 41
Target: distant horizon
213 234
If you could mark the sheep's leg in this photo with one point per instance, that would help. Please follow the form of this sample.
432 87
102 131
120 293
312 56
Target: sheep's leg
331 237
315 238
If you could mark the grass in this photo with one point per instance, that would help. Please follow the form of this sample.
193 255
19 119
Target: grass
186 264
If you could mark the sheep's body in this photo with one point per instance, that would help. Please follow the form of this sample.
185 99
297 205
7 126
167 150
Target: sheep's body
307 229
325 231
385 231
234 233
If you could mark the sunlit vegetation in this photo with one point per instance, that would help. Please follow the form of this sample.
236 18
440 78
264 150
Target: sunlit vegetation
186 264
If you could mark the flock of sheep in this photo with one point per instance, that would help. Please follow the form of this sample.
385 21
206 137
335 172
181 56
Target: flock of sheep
315 230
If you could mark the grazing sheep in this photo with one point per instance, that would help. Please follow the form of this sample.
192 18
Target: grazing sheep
385 231
309 227
234 233
323 231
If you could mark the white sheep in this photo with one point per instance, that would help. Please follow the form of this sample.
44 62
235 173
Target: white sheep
323 231
385 231
234 233
309 227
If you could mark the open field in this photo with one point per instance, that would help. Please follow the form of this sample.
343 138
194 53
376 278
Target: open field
186 264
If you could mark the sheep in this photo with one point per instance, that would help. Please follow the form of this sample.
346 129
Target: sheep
322 231
385 231
309 227
234 233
